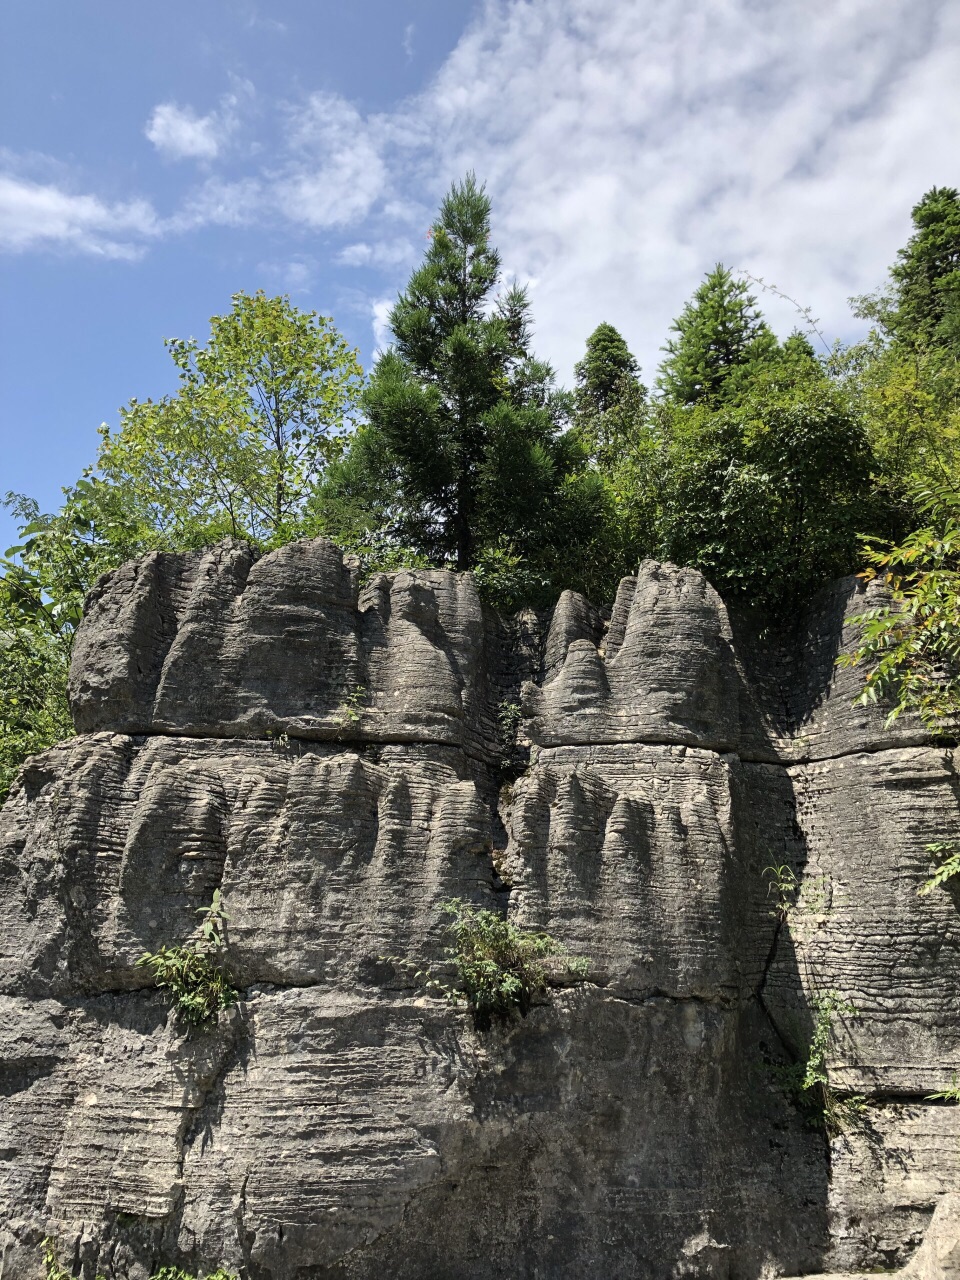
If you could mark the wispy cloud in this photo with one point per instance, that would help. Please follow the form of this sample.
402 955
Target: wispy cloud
334 170
380 316
383 253
180 134
42 215
630 146
407 42
627 147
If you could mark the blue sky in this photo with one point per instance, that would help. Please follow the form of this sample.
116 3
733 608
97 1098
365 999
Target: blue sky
155 159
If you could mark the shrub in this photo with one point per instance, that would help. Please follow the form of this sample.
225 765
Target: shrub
500 967
807 1083
199 988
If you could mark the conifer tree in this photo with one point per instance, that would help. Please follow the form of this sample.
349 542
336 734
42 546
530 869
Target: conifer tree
464 425
926 276
721 338
609 398
607 369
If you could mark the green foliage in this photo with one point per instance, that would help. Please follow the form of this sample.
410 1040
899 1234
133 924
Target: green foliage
33 704
926 276
500 968
766 497
609 398
721 338
782 883
52 1269
951 1094
509 720
948 854
807 1083
43 582
464 449
259 414
505 580
198 987
350 711
177 1273
377 552
911 645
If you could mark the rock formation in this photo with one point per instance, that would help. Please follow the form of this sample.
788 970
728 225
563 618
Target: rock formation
330 756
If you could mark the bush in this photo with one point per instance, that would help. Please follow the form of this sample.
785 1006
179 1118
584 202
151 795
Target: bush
199 988
500 967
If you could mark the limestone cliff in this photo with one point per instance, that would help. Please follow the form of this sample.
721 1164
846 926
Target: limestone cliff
329 757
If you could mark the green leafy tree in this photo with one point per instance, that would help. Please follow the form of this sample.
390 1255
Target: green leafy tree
464 449
259 414
910 645
767 497
721 338
43 583
611 415
607 376
237 450
905 376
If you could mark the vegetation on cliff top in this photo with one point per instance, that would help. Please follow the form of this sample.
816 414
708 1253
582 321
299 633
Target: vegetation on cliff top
755 460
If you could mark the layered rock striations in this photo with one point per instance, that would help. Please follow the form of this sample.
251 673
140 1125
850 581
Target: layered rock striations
330 756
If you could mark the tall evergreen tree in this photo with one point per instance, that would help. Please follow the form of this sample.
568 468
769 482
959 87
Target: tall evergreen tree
721 338
609 397
607 369
464 425
926 276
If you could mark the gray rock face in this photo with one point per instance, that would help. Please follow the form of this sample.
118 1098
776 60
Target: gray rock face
330 758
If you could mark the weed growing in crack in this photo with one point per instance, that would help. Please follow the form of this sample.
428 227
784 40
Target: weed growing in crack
52 1269
500 967
782 883
807 1083
177 1273
350 711
198 987
951 1094
512 757
948 854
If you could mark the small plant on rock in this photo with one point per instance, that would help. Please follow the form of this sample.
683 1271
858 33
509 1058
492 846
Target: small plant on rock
509 720
350 711
198 987
807 1083
782 886
948 853
177 1273
500 967
950 1094
52 1269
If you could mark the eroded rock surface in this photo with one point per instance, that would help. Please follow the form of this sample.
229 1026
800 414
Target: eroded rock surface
331 758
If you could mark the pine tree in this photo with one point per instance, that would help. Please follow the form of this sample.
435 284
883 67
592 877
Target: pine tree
609 398
722 336
607 370
463 423
926 277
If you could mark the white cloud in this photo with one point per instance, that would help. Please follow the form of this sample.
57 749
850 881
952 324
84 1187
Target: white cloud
179 133
382 253
221 203
335 171
380 315
628 147
37 215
